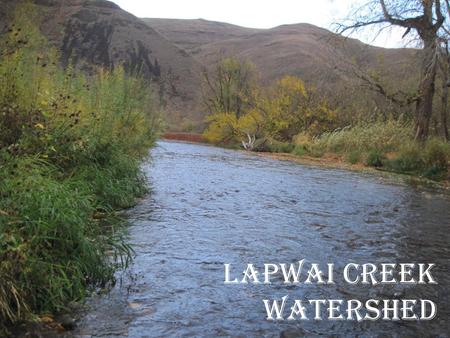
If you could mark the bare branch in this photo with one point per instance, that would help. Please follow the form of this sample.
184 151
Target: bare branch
439 15
407 23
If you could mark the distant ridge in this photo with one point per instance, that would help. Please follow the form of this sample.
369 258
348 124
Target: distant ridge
315 54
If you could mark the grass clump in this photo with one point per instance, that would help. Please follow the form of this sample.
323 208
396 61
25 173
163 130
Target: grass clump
275 146
429 159
299 150
70 149
437 154
353 157
380 136
389 145
375 159
408 158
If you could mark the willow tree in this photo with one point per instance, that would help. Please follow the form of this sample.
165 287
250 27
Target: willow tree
422 18
229 93
229 87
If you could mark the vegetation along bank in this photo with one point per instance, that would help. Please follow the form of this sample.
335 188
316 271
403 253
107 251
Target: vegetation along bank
70 149
288 116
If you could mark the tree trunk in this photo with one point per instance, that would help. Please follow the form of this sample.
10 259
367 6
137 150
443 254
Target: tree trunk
444 109
424 105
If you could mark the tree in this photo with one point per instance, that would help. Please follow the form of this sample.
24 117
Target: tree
278 113
230 95
445 73
444 63
425 18
230 87
292 108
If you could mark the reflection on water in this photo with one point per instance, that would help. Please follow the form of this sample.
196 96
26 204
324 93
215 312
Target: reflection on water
212 206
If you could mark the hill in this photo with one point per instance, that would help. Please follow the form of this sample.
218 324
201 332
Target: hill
320 57
192 34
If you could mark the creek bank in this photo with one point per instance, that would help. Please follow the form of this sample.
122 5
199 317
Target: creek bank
333 161
328 160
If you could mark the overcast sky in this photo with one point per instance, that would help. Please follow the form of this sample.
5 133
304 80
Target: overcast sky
257 13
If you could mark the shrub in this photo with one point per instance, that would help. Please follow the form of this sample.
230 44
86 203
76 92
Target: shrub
301 139
223 128
429 159
408 159
299 150
375 159
437 154
70 148
315 151
51 246
375 142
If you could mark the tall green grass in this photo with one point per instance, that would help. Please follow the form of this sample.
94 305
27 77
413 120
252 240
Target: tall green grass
380 136
389 145
430 159
70 149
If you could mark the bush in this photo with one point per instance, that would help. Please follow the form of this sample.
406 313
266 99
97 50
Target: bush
51 246
382 144
437 154
375 159
408 159
299 150
429 159
70 148
315 151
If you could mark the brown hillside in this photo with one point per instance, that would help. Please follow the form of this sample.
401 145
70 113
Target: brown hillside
317 55
310 52
191 34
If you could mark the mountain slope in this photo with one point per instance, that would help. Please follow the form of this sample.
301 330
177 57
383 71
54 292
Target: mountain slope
317 55
310 52
191 34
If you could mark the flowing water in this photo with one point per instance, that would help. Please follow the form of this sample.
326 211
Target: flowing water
211 206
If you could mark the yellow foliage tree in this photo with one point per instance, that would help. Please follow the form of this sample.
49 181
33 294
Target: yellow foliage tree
291 108
285 110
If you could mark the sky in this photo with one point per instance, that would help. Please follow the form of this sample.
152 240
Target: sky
258 14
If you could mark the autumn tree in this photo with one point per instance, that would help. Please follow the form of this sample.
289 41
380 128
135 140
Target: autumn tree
424 19
229 87
292 108
230 96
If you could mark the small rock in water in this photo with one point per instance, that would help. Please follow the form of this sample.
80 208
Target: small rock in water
67 322
293 334
134 305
